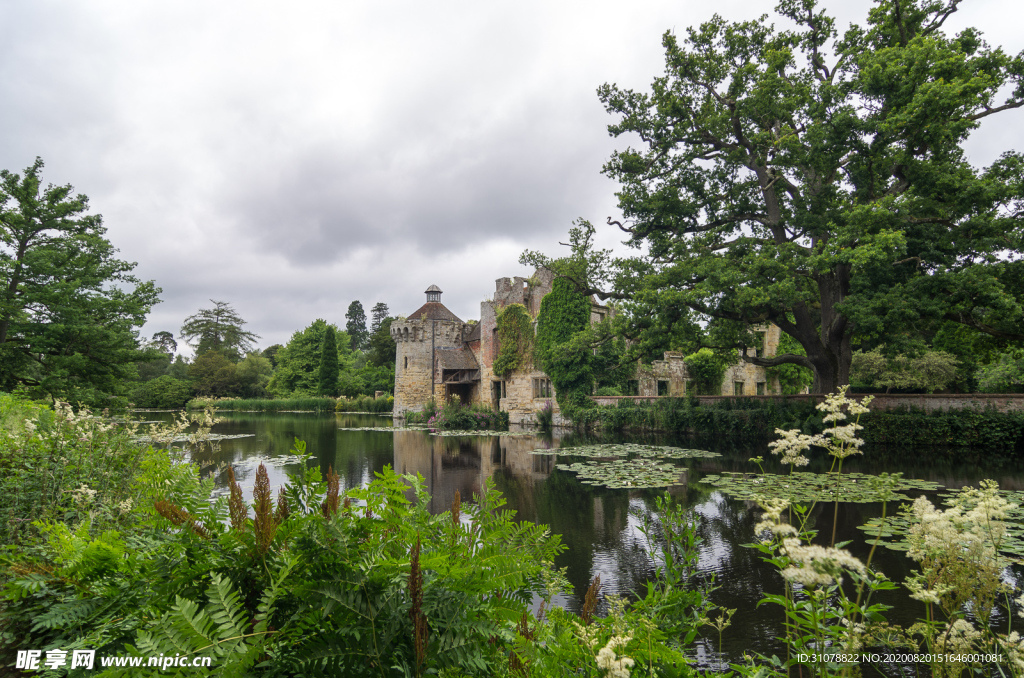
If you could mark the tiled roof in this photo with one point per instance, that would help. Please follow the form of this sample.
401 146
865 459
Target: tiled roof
474 334
433 310
456 359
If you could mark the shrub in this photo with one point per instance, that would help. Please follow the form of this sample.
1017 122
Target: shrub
365 404
453 415
706 368
164 392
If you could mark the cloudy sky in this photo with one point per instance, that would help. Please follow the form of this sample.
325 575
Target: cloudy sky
291 158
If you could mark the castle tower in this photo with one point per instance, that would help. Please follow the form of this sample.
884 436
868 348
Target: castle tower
427 342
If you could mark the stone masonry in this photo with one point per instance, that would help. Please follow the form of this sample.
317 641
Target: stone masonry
439 356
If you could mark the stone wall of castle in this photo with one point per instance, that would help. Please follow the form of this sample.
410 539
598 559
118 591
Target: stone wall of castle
415 340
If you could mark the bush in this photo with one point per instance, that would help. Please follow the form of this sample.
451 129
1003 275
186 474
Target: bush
706 368
365 404
1005 374
454 416
164 392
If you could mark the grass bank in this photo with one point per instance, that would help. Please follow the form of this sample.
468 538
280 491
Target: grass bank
263 405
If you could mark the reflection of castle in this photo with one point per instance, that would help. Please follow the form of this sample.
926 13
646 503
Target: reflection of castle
439 356
456 463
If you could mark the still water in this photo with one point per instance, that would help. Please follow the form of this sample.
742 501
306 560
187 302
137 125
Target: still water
599 525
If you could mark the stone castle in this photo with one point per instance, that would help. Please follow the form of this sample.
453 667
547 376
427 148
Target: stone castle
440 356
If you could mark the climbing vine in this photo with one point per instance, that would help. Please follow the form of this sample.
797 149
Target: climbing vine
564 347
515 339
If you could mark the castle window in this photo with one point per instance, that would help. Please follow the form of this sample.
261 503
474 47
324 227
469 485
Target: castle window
406 362
761 387
663 387
737 388
541 388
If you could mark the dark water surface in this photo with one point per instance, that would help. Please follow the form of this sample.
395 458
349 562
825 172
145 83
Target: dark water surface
598 524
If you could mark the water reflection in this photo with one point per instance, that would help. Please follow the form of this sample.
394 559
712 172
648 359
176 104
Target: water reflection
601 526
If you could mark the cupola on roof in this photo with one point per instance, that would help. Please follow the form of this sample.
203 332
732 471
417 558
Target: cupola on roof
433 309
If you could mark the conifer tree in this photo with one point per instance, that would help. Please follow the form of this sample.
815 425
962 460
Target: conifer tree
329 369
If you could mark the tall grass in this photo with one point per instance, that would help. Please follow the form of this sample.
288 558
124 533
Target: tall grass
262 405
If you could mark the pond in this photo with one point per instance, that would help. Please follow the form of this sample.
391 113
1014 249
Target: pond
599 524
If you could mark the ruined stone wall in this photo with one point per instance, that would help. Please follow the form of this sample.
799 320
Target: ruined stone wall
414 359
673 370
518 401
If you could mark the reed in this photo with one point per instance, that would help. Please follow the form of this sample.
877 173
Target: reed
263 405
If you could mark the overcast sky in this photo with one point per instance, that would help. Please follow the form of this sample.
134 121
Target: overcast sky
291 158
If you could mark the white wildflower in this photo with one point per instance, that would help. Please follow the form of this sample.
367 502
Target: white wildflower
771 521
817 565
84 495
617 667
792 445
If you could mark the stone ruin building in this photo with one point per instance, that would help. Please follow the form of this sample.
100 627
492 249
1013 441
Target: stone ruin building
440 356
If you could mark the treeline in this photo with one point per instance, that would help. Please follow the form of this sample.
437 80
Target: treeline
320 360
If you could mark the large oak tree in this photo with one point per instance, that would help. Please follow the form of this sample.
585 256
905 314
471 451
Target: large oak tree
820 182
69 308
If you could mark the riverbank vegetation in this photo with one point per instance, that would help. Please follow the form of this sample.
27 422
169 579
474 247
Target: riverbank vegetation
757 419
119 549
453 415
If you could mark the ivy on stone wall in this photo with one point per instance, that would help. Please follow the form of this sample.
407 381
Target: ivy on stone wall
564 347
515 340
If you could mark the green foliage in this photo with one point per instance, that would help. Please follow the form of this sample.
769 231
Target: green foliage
379 315
62 465
515 340
298 362
756 419
333 593
706 368
213 374
218 329
382 348
564 345
365 404
454 416
69 309
163 393
261 405
932 371
792 378
252 375
819 182
328 371
1005 374
355 325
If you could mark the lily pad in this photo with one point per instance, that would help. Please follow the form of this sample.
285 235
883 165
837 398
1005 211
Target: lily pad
388 429
622 473
604 451
212 437
475 432
804 488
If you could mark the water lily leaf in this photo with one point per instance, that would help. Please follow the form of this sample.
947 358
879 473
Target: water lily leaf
632 474
804 488
608 450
